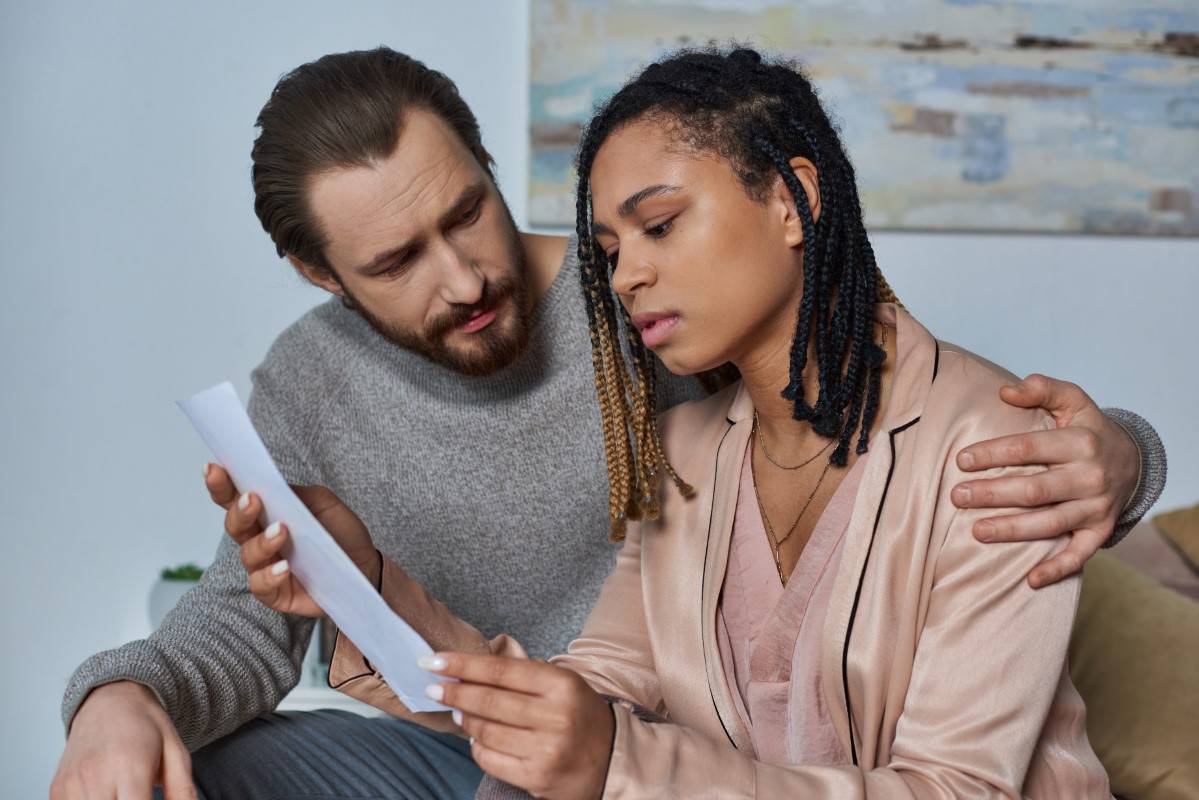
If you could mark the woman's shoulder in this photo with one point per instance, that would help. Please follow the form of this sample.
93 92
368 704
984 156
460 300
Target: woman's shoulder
965 397
687 422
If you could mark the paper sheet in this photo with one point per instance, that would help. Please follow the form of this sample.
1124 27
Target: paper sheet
328 574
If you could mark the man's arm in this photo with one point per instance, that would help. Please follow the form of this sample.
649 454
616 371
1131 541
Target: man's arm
1106 469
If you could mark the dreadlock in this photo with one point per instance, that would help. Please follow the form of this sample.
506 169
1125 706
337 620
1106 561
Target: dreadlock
757 115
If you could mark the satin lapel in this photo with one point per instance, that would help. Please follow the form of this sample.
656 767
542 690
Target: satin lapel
917 360
729 458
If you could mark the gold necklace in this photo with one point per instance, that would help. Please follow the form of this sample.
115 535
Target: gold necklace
776 543
766 452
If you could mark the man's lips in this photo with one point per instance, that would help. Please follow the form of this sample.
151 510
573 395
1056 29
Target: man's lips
655 327
478 322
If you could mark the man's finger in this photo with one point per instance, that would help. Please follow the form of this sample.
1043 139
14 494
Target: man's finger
241 520
1058 446
177 781
516 709
1022 491
220 485
517 674
1041 524
1082 546
1060 398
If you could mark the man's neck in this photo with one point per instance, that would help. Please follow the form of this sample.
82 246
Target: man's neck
544 256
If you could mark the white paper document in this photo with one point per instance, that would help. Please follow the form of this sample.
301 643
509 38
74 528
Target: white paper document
334 582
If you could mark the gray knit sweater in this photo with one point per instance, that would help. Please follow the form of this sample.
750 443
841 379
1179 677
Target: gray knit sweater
490 491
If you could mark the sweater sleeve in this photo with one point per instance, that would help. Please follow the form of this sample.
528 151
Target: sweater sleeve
220 657
1153 471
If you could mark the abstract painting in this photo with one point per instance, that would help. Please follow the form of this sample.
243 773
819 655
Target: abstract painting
1057 116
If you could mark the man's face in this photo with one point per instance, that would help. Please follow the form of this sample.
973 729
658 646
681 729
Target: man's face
423 246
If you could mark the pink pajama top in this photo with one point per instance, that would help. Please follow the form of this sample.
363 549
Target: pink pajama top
769 635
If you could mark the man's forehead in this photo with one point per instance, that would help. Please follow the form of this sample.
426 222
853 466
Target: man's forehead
361 208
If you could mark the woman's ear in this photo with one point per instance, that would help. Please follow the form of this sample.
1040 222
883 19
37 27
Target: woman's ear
805 172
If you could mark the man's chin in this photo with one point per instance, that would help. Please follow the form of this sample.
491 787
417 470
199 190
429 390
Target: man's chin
481 354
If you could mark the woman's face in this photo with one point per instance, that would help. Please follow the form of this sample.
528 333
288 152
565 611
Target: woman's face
707 274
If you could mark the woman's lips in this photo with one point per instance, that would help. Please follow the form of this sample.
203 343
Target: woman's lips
478 322
655 332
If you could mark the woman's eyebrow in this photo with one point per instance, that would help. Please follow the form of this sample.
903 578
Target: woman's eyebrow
632 201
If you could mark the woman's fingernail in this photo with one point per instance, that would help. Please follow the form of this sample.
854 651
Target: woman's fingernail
272 530
966 460
207 469
280 567
456 715
964 494
435 691
986 530
431 663
243 502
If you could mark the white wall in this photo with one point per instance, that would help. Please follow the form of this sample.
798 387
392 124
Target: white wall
134 273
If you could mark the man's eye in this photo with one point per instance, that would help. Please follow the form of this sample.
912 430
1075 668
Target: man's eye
472 214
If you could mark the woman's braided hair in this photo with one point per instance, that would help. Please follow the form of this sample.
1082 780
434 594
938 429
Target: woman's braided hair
756 115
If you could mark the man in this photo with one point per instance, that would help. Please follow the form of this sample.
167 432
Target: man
446 395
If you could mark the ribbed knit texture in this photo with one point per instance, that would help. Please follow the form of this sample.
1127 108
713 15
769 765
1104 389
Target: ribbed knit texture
490 491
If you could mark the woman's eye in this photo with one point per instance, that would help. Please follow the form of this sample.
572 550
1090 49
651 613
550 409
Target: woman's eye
659 230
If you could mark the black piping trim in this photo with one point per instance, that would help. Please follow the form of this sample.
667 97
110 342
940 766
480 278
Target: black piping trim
704 582
936 358
857 596
370 670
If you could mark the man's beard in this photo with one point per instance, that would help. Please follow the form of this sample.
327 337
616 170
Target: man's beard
489 350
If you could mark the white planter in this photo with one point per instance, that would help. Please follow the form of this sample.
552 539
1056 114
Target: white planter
163 597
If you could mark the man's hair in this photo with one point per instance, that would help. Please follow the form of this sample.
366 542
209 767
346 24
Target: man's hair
342 110
756 115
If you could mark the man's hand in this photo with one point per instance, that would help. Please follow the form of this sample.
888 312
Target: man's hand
122 744
532 724
1093 469
263 551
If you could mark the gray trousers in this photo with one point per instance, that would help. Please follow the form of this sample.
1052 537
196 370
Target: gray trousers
335 755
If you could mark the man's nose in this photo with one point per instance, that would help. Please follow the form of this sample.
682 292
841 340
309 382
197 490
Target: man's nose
462 280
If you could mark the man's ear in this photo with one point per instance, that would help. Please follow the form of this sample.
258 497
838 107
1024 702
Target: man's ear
318 276
805 172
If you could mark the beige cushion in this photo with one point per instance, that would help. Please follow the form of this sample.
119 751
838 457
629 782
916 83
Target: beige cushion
1181 527
1134 656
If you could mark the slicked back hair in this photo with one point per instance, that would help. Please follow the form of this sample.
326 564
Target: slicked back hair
342 110
757 115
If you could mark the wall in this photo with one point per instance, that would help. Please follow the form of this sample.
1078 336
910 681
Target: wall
135 273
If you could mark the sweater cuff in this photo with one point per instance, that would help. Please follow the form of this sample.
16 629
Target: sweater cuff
1152 480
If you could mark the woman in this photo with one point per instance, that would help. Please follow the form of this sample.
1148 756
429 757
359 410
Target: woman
806 613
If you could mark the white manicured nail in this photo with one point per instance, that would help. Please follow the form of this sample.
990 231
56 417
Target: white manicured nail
243 502
431 663
279 568
435 691
457 717
272 530
207 469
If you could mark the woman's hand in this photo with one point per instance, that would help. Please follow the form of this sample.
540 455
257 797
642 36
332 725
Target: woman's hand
270 577
1093 470
532 724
